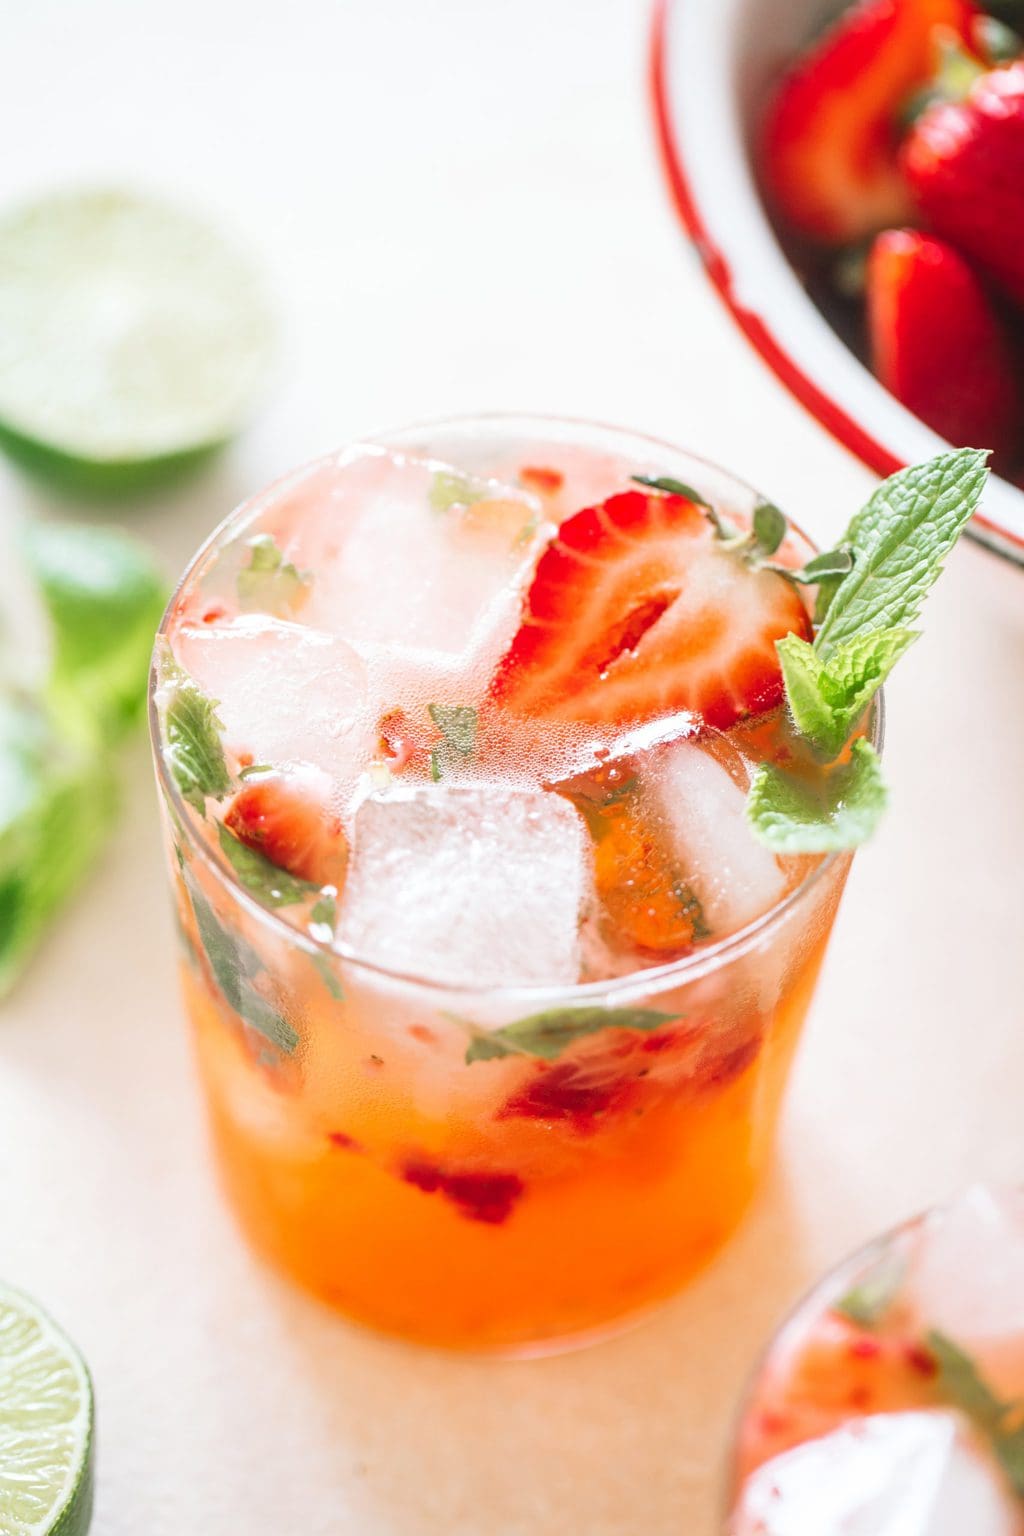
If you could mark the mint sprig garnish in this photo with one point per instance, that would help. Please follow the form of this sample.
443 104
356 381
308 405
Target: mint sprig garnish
1002 1423
270 583
899 541
841 810
546 1035
828 698
192 746
896 547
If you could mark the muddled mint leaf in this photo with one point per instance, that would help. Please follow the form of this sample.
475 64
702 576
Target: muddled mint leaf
671 487
105 598
273 886
450 489
867 1302
325 910
235 966
269 583
457 724
769 528
328 977
57 804
827 699
961 1382
546 1035
191 738
435 766
692 907
839 811
899 541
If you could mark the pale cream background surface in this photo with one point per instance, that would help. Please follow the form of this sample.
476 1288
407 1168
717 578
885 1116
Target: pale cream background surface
459 207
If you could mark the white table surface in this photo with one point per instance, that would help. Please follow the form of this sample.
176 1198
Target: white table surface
460 208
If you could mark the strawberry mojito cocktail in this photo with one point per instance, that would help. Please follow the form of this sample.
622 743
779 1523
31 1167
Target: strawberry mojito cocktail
504 867
891 1402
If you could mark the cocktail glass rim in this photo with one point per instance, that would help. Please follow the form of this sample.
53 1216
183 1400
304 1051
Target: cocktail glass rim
609 992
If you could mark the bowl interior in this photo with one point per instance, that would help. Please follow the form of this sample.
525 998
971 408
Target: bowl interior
713 65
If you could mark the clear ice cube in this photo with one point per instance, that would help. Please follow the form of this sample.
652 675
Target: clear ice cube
473 886
285 693
891 1474
966 1280
410 552
736 877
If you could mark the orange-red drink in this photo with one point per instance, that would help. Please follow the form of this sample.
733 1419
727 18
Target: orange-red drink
494 991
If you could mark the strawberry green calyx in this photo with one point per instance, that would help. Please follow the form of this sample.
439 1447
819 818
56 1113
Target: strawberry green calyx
897 545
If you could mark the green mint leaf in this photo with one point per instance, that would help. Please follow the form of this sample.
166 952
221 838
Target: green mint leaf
899 541
825 572
325 911
273 886
329 979
828 698
57 804
692 907
867 1302
769 528
234 966
457 724
959 1380
450 489
191 731
671 487
269 583
435 765
105 598
791 815
547 1035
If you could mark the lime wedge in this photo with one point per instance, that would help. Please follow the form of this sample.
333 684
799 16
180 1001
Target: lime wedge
46 1425
133 338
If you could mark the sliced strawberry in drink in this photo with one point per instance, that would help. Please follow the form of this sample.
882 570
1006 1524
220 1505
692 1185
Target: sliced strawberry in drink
290 816
479 1196
964 162
939 344
638 609
830 141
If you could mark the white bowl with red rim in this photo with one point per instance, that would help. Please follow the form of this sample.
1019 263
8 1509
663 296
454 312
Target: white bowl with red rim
712 65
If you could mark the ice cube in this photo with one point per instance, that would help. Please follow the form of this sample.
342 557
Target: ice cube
285 693
966 1280
476 885
408 551
736 877
891 1474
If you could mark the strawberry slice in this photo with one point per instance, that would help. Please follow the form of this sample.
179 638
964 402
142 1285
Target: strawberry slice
830 140
637 609
939 345
964 162
289 815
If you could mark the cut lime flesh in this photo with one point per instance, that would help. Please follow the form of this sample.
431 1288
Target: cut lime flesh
132 337
46 1425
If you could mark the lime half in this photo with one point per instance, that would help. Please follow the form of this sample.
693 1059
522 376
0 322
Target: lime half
46 1425
133 338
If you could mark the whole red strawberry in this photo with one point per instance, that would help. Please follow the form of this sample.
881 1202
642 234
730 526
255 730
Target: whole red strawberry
829 146
964 162
939 344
